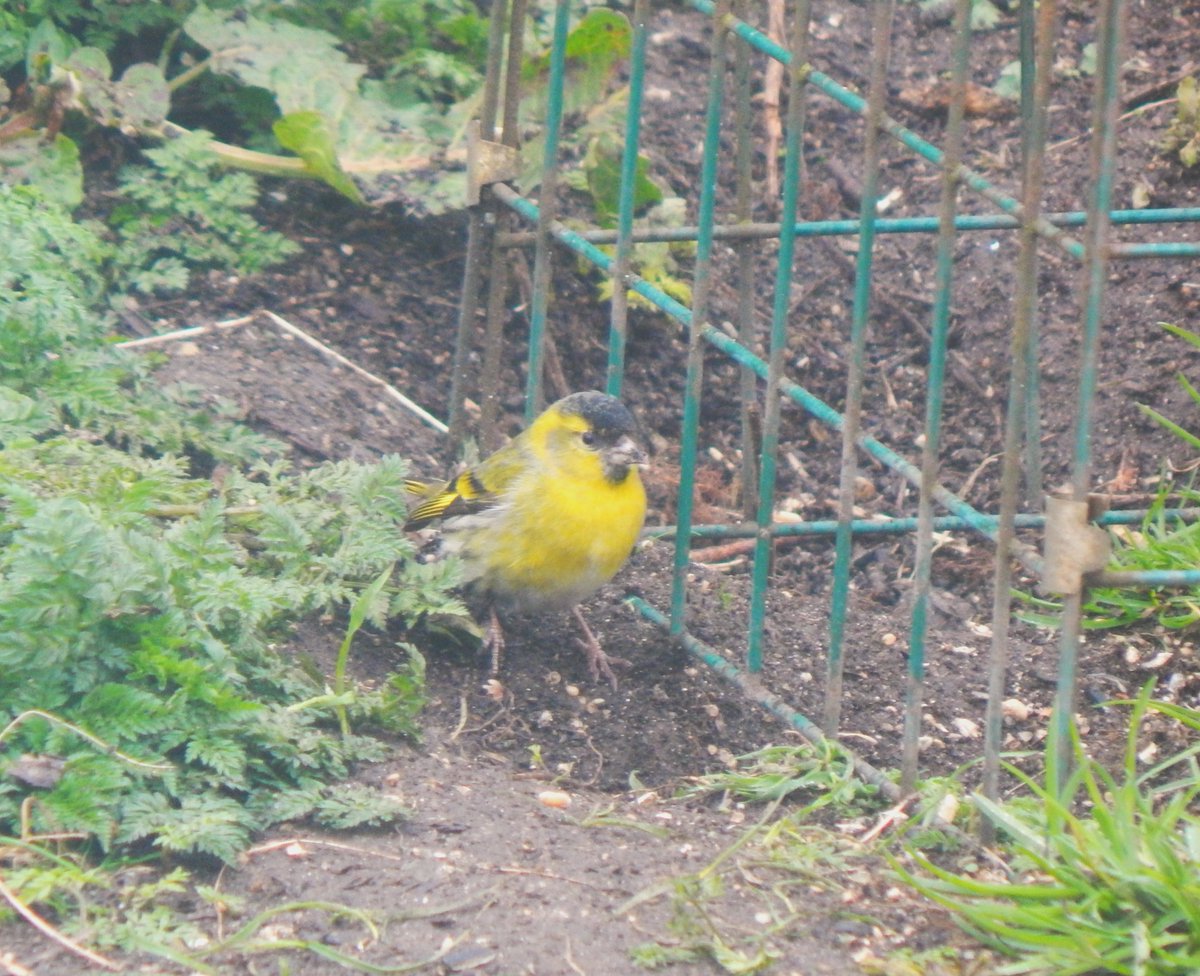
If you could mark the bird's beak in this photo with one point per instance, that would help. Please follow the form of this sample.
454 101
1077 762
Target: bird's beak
627 452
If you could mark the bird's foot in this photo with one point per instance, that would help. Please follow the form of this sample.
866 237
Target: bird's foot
493 643
599 663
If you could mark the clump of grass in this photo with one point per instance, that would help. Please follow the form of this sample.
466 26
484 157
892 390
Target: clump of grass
1104 873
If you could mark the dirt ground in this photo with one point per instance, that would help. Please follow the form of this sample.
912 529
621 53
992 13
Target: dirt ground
482 866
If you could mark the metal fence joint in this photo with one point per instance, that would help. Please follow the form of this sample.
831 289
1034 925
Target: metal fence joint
487 162
1074 546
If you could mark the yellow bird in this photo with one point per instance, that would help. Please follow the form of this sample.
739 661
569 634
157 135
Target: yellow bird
549 518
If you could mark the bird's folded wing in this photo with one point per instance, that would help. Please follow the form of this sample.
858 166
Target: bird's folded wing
475 490
460 496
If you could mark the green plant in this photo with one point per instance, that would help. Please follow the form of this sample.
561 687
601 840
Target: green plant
277 79
184 213
824 774
49 26
600 136
122 906
167 605
58 369
1103 872
1183 134
141 607
423 51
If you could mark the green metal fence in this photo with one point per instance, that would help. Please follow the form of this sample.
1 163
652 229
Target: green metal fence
1067 563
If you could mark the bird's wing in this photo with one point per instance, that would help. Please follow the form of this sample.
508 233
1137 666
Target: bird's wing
472 491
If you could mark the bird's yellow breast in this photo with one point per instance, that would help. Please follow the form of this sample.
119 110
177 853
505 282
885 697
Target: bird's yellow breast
556 537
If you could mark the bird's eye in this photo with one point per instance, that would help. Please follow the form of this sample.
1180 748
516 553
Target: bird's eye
588 438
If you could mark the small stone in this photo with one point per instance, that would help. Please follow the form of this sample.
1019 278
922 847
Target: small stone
967 728
1015 709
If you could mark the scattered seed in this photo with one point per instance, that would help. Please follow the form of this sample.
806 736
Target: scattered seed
555 799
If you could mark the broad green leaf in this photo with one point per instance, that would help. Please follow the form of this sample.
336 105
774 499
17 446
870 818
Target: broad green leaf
90 62
602 167
142 97
307 134
595 47
47 45
984 15
391 153
20 416
301 67
1188 94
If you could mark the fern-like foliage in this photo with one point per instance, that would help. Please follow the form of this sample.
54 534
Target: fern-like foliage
156 633
142 610
57 369
183 213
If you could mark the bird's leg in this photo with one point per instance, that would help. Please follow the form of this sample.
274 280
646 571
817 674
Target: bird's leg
599 663
493 642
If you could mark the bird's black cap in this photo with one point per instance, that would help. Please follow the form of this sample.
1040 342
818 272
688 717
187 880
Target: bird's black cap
605 413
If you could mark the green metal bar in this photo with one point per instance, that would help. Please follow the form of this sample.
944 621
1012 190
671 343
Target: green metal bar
934 390
904 225
749 410
1146 577
722 666
881 44
696 319
1162 249
1110 35
769 455
548 198
629 157
1038 62
942 523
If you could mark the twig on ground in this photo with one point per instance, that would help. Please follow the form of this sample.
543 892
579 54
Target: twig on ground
464 713
178 334
304 337
1087 133
738 547
94 740
337 357
316 842
550 875
48 930
569 958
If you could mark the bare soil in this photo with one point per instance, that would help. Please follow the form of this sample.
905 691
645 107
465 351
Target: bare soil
521 887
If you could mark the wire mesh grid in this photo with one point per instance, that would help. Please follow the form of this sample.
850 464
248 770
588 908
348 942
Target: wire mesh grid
1071 561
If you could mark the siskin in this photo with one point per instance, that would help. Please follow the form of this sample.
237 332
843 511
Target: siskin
548 519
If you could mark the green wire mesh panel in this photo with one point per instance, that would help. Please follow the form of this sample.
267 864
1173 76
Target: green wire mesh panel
810 350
